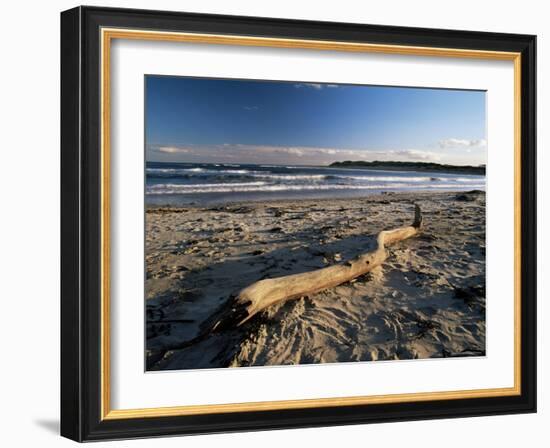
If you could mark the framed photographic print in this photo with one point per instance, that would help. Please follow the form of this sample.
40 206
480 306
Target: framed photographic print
275 224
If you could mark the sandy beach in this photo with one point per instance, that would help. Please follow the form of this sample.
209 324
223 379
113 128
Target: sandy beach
426 301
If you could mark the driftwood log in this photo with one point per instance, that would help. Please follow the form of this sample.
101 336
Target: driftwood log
264 293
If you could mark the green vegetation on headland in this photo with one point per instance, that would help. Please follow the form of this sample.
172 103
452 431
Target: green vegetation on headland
410 166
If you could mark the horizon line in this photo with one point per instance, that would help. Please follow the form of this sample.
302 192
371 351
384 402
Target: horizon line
320 166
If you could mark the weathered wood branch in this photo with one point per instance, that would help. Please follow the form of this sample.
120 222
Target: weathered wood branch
265 293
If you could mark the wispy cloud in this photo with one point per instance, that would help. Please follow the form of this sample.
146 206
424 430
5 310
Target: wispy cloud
316 86
250 107
462 143
171 149
282 154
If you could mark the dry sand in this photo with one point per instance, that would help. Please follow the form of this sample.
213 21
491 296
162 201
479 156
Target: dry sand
427 300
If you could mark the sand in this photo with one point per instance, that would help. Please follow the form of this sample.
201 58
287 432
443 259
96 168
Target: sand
426 301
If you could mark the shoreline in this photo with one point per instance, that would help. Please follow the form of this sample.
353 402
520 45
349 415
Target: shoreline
374 196
412 166
426 301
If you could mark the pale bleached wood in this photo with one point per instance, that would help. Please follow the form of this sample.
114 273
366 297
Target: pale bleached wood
265 293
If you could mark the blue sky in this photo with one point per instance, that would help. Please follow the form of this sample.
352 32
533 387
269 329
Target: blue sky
242 121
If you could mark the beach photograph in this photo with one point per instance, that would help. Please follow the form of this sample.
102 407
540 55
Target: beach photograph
291 223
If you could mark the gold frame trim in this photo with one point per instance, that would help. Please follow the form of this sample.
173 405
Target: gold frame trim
107 35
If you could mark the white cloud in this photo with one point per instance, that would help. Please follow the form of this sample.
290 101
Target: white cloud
251 108
298 152
462 143
283 154
171 149
316 86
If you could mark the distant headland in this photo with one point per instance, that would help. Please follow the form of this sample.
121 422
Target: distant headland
410 166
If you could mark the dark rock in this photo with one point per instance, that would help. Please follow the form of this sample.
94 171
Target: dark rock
469 196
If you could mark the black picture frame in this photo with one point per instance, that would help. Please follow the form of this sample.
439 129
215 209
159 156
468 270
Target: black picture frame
81 414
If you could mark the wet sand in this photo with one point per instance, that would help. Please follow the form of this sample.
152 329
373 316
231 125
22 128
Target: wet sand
426 301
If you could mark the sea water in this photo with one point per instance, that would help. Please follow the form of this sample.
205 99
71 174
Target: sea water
201 183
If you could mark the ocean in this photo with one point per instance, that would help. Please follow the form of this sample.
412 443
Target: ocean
202 183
